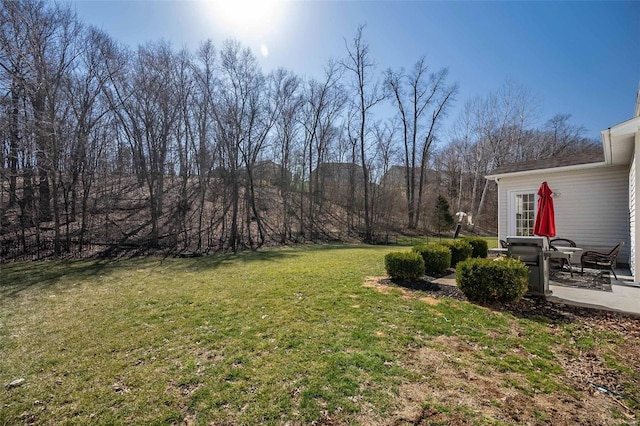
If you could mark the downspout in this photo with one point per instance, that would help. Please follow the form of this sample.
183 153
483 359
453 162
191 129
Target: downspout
500 224
606 146
635 236
610 148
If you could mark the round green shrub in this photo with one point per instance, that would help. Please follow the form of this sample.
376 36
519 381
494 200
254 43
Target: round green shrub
479 246
437 258
460 250
483 280
404 265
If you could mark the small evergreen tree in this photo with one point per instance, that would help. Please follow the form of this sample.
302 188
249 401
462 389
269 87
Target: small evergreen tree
442 218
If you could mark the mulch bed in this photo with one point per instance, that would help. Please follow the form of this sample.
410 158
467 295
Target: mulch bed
533 307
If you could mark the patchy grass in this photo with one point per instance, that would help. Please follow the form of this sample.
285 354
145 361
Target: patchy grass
288 335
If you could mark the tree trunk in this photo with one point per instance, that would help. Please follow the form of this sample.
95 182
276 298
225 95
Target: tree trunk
482 200
13 146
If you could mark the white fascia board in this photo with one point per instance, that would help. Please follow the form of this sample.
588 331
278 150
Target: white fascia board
548 170
628 127
619 132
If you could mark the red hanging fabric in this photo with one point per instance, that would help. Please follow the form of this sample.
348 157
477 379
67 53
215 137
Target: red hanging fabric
545 223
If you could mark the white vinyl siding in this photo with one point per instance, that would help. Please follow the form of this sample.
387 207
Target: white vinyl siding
591 205
632 215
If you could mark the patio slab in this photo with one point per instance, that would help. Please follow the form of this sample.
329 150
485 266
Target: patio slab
623 297
446 280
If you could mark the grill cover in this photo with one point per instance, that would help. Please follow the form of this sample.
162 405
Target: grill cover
530 250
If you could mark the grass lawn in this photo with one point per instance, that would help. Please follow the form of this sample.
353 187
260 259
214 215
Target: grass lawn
287 336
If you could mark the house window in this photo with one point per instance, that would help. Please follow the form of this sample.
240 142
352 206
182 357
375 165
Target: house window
525 205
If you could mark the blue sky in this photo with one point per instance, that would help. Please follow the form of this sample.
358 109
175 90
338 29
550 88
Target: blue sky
578 58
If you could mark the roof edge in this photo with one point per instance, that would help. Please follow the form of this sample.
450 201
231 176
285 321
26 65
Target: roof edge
629 126
547 170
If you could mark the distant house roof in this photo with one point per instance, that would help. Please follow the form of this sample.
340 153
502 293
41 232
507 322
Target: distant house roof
573 159
330 168
399 173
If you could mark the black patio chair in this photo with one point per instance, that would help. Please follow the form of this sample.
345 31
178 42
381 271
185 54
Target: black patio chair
598 260
563 258
562 242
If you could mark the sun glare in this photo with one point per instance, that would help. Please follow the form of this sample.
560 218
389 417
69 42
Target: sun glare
247 16
264 50
251 21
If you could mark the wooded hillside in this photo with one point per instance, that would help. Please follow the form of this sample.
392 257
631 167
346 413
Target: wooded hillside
107 148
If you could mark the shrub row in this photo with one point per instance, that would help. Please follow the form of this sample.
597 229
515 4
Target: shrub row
459 250
438 258
480 279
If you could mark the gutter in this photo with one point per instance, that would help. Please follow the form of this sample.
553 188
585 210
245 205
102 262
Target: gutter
549 170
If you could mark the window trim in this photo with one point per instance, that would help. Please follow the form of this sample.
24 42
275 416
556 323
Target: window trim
512 207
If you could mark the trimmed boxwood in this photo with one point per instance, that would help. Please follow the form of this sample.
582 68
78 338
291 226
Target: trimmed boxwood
437 258
483 280
404 265
460 250
479 246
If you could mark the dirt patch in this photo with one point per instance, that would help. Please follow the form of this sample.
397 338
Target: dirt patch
449 384
408 289
378 284
430 300
447 377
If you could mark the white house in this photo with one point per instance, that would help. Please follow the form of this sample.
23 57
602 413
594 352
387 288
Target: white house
594 196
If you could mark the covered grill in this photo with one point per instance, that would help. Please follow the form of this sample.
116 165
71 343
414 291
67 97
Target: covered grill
531 251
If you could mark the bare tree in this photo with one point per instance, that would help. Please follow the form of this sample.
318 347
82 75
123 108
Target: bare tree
40 45
386 153
422 100
368 94
13 63
95 66
289 102
204 141
243 121
185 134
147 111
494 130
323 102
560 136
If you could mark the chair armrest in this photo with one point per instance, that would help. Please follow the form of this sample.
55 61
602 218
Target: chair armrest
594 256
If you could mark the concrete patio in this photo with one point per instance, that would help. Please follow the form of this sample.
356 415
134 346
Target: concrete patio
623 297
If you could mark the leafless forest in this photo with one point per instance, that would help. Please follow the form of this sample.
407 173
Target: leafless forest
108 149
